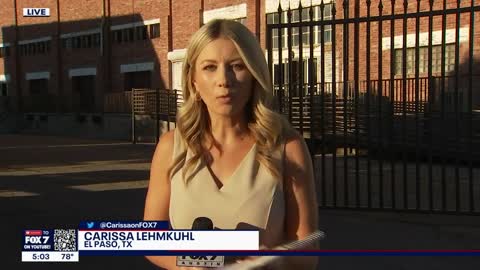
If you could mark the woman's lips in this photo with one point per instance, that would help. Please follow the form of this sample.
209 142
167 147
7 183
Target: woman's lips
225 99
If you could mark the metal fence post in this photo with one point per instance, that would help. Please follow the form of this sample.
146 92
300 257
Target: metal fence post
157 114
134 137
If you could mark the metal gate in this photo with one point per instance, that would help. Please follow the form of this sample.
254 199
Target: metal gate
387 93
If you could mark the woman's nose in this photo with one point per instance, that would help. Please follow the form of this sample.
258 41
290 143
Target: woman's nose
224 78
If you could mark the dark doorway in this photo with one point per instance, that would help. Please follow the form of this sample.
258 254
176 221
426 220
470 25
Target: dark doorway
39 100
140 79
38 87
84 93
3 89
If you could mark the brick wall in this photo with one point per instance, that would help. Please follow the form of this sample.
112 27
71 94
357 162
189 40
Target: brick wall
186 17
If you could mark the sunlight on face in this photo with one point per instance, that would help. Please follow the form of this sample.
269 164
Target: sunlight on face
222 78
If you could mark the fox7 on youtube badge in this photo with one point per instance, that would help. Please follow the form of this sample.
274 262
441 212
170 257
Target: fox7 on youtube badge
37 240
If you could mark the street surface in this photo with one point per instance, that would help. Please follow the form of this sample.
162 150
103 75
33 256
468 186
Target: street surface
56 182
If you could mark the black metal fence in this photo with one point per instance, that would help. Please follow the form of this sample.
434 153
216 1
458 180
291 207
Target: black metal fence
388 95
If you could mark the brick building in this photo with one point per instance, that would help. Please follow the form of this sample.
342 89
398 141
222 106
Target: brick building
84 57
356 49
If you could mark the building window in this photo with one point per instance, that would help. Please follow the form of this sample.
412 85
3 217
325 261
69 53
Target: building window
295 71
295 31
84 41
423 59
77 42
96 40
241 20
67 43
32 49
4 52
127 34
155 30
42 47
136 33
141 32
327 31
22 50
117 36
273 18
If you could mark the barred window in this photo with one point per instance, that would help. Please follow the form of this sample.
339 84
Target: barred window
47 46
41 47
96 40
83 42
117 36
132 34
88 41
32 50
127 34
22 50
273 18
79 42
423 59
327 29
141 32
76 42
67 43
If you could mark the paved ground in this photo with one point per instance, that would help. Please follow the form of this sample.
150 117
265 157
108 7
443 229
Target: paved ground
52 182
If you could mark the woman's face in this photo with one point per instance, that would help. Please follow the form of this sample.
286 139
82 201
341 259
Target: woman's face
222 78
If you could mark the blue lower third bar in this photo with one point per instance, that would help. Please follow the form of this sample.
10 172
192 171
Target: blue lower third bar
124 225
279 253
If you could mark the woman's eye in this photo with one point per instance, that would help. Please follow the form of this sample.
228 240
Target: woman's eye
209 68
238 66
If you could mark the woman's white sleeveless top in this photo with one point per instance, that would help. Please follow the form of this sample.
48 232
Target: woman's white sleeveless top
251 198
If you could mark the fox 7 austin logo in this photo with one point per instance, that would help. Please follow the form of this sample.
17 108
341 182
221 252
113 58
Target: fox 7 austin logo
202 261
36 239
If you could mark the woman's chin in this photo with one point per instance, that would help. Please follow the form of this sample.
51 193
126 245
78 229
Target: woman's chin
227 111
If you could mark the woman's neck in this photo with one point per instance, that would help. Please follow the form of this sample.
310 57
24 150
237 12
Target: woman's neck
229 130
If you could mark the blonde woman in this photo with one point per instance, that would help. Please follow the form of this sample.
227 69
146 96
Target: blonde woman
232 158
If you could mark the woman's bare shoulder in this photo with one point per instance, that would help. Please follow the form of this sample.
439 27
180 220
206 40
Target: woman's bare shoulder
295 143
167 139
165 145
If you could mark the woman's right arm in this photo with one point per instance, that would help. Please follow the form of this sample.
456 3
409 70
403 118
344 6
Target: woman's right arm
158 194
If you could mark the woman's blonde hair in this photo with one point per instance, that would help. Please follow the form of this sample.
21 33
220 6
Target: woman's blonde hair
267 127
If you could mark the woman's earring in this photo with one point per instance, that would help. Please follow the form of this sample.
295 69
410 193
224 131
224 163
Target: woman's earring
197 96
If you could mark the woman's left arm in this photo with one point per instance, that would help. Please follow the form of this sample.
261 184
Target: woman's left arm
301 200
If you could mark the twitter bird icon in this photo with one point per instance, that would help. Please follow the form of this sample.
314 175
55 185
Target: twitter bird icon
90 224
